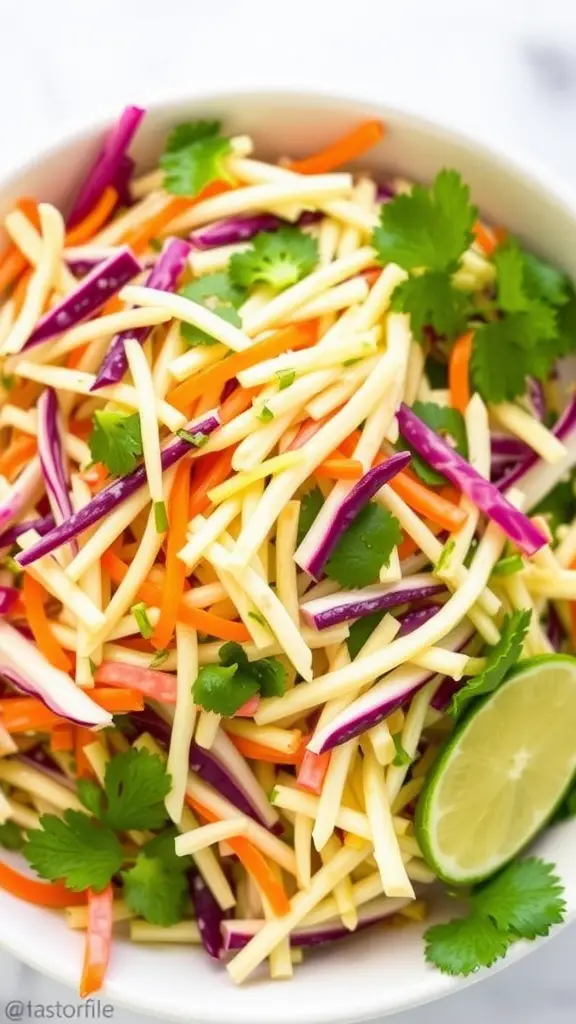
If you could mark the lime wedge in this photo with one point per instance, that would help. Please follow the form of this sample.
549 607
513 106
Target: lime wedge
502 772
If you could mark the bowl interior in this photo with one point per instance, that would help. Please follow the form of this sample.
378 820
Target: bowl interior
380 971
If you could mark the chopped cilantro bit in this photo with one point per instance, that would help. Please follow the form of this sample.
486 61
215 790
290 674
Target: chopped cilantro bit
310 506
197 440
500 659
402 757
226 687
159 658
361 630
278 258
160 516
285 378
265 414
445 556
142 621
364 548
116 441
218 294
508 566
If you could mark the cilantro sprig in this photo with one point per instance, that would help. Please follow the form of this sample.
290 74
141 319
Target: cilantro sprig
220 295
524 901
277 258
194 156
310 506
116 441
11 836
499 661
224 688
156 886
364 548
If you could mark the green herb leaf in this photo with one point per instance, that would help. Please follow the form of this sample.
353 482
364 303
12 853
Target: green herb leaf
559 505
463 945
197 440
360 631
278 258
431 299
265 414
508 566
364 548
526 898
74 848
499 661
217 293
445 556
156 888
449 425
159 658
194 156
136 785
142 621
91 795
11 836
310 506
430 228
116 441
217 689
501 358
285 378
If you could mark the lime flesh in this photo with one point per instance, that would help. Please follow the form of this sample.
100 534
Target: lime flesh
502 773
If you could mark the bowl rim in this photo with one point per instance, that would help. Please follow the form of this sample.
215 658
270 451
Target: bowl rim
497 152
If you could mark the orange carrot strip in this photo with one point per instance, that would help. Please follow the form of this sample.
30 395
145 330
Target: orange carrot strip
313 770
14 262
500 234
485 238
258 752
294 336
340 469
195 617
80 428
62 738
33 597
173 589
96 475
98 941
236 403
43 894
427 502
25 395
371 275
82 738
348 147
459 372
17 455
19 293
213 470
93 221
74 358
252 861
139 238
29 714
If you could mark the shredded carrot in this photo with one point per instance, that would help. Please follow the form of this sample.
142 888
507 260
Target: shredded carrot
29 714
19 293
74 358
139 238
195 617
371 275
252 861
16 456
43 894
348 147
96 475
500 234
26 394
80 428
14 262
93 221
459 372
62 738
82 738
33 597
213 470
258 752
237 403
485 238
175 568
427 502
98 941
312 771
294 336
340 468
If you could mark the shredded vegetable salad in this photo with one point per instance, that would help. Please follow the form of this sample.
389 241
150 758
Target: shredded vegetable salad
286 513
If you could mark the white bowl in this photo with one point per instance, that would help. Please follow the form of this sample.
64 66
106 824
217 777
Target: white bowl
380 971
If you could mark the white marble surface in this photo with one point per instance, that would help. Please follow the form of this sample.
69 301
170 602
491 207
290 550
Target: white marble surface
501 70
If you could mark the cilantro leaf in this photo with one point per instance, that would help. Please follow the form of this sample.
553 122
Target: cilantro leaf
402 757
436 372
310 506
136 784
74 848
278 258
566 324
448 424
219 688
191 131
217 293
463 945
522 277
500 659
526 898
431 299
156 887
11 836
197 440
91 795
360 631
429 228
501 358
270 675
194 156
116 441
559 505
364 548
508 566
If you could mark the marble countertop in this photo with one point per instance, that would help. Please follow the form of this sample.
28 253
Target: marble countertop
504 72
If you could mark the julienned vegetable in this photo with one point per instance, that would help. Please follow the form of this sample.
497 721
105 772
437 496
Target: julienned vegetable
295 658
103 282
480 491
321 540
52 457
118 491
163 276
29 672
111 167
355 604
